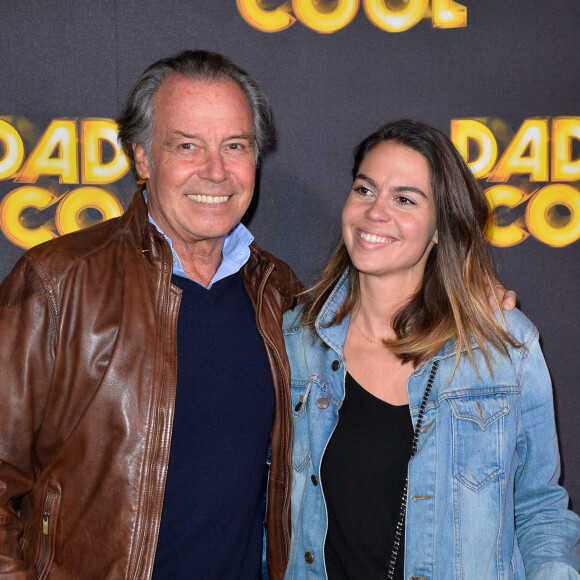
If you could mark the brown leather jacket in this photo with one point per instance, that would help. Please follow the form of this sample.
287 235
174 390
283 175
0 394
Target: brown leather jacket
88 363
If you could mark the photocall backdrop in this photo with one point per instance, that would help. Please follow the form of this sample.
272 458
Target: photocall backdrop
501 77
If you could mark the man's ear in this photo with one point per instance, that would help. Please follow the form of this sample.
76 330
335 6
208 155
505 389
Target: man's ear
142 164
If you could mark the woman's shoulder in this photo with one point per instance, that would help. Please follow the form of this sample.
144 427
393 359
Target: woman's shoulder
291 322
297 335
519 326
304 348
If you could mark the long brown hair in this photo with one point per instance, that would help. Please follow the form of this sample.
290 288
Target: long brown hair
452 299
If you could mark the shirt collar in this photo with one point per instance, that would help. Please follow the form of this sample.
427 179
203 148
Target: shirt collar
235 252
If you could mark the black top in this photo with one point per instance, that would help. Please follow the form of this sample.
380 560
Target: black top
213 511
363 475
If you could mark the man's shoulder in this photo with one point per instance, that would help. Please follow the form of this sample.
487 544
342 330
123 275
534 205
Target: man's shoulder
53 259
48 264
271 279
265 257
60 254
282 274
67 249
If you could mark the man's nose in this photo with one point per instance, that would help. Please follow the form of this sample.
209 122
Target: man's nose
214 167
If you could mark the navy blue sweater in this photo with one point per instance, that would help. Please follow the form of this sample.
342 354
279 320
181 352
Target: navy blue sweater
212 521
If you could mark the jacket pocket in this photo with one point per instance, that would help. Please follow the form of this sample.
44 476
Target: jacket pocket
478 432
50 509
301 449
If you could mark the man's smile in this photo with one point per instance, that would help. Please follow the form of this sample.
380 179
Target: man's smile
209 199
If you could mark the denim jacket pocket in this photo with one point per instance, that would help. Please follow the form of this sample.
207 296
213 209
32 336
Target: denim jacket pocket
478 431
301 449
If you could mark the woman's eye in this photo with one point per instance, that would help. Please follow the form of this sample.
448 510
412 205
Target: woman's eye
363 191
403 200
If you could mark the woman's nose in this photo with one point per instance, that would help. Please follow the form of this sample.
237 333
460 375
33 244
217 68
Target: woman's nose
379 210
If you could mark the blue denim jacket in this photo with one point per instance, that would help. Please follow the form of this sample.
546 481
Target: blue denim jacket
483 499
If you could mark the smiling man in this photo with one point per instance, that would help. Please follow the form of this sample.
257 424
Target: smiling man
145 384
201 168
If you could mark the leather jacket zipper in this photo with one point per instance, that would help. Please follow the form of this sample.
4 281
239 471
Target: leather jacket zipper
153 477
50 497
287 402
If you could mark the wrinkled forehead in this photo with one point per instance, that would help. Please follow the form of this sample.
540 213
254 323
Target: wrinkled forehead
188 102
181 91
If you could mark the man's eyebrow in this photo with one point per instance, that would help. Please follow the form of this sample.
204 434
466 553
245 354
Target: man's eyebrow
246 136
183 134
178 133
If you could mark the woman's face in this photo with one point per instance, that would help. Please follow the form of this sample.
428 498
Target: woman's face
388 222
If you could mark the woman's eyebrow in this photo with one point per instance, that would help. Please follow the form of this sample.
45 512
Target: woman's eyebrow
366 178
411 188
395 189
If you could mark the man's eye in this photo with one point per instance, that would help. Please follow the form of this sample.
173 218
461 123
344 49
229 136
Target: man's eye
186 146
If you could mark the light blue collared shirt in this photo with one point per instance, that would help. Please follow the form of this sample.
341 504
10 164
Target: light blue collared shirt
235 252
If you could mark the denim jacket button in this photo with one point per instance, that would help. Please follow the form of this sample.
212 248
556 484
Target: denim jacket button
309 557
314 479
322 403
335 365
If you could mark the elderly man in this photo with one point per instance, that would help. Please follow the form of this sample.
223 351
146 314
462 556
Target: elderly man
145 395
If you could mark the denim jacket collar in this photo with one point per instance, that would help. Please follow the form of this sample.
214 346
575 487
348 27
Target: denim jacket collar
334 336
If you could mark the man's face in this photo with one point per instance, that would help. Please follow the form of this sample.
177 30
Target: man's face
200 178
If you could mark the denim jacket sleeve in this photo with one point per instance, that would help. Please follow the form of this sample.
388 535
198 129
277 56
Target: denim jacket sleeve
548 532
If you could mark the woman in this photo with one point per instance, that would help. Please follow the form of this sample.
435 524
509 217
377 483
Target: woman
444 463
